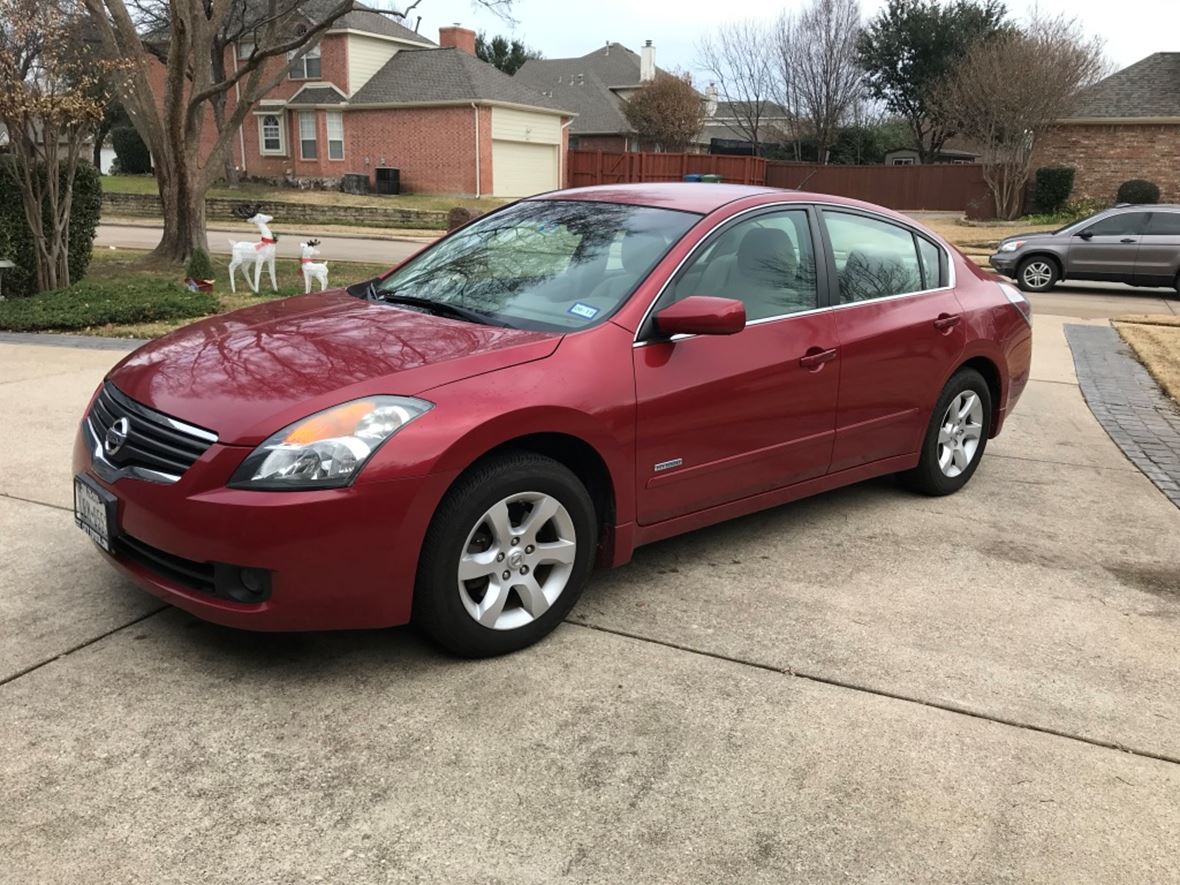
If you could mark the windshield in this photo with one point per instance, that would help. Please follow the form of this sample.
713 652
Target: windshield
556 265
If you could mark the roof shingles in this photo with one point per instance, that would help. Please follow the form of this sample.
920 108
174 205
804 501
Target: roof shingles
1148 88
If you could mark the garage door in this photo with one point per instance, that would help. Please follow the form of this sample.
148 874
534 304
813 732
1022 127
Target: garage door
520 169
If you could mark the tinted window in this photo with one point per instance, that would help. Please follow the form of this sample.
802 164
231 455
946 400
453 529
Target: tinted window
545 264
932 276
1164 224
874 259
1121 225
766 262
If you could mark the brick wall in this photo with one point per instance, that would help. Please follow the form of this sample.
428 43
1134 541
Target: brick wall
218 209
1106 156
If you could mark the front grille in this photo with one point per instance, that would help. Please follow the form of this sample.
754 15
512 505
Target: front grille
186 572
155 442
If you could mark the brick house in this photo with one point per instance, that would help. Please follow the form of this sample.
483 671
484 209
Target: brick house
373 94
1126 126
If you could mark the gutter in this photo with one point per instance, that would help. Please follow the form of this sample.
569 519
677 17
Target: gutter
475 110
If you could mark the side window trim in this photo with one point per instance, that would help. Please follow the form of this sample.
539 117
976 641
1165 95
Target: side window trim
944 270
823 287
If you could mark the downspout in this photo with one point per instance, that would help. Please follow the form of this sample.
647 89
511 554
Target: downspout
561 152
238 101
475 108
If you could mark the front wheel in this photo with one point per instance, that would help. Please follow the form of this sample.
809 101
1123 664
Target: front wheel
1037 274
507 555
956 438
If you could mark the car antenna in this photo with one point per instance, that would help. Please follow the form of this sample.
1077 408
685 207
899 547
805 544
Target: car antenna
806 179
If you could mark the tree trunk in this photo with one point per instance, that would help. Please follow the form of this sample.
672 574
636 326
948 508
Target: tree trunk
184 219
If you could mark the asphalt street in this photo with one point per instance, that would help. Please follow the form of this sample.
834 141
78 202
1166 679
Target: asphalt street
863 686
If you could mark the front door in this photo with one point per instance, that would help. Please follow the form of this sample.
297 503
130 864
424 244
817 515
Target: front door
724 417
1158 259
900 333
1106 249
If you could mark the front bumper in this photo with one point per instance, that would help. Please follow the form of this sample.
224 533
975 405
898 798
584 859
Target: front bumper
1004 263
337 558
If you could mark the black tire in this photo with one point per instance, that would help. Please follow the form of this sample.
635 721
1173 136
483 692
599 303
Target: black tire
1037 266
928 477
438 608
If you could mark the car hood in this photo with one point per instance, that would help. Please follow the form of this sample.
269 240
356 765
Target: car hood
1035 237
247 374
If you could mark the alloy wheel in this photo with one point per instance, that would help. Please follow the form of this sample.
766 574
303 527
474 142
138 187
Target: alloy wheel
1038 274
960 433
517 560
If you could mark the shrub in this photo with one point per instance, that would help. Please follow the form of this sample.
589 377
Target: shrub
132 154
100 302
199 267
1138 190
16 241
1052 188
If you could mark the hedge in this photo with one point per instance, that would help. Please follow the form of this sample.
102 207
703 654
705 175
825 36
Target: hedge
99 302
16 241
1052 188
131 153
1138 190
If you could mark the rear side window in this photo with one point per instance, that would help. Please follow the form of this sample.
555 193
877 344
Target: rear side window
1123 225
874 259
1165 224
932 272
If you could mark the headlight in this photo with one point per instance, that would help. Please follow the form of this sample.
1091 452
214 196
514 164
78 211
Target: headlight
327 449
1011 246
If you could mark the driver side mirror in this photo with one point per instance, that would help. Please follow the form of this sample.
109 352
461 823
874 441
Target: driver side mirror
1086 234
702 315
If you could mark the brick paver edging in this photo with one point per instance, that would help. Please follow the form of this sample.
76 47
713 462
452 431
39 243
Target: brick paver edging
1141 419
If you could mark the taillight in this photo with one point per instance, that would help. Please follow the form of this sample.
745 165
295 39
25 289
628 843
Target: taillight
1016 299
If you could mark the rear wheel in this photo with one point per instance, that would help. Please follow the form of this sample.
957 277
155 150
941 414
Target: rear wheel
507 555
1037 274
956 438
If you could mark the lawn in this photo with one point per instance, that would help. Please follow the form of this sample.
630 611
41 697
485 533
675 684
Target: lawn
146 184
1156 341
127 294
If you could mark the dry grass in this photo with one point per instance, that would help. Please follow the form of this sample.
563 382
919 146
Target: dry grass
1158 347
979 239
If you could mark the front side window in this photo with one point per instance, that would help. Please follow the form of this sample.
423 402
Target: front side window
271 133
1124 224
766 262
335 135
874 259
308 67
307 135
543 264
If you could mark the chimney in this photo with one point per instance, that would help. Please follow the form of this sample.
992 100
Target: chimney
647 63
711 100
456 37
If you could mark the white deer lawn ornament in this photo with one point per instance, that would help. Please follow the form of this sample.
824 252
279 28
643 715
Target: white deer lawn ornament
310 268
254 253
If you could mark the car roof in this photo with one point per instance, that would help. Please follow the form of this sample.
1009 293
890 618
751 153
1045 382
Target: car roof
685 196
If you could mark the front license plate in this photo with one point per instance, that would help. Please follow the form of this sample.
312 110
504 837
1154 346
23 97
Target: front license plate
94 512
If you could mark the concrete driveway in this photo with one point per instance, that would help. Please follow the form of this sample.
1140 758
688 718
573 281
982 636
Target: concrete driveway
865 686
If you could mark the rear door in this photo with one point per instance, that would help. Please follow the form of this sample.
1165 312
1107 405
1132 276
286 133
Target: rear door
1158 259
1107 249
900 331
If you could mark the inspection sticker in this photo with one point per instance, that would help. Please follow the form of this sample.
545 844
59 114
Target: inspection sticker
583 310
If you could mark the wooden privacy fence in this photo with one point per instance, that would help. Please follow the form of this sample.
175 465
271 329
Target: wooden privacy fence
953 188
585 168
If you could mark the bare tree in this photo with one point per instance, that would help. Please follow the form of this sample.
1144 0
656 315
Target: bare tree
1009 91
50 102
737 56
197 43
819 73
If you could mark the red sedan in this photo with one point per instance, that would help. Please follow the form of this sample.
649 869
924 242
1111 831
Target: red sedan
463 440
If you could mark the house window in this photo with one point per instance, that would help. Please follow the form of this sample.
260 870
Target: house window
270 135
308 67
245 48
307 136
902 161
335 135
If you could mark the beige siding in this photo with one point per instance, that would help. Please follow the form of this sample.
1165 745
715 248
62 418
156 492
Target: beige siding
366 56
520 169
530 126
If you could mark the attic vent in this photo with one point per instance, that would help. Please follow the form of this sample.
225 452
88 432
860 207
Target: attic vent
300 30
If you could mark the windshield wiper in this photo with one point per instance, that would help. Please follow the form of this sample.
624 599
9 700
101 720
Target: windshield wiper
438 308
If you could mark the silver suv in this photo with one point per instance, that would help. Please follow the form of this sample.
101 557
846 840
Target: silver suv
1138 245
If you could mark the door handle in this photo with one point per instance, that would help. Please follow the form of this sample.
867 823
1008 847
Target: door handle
815 358
1128 240
947 321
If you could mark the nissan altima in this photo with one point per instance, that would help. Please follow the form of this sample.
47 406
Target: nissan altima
460 442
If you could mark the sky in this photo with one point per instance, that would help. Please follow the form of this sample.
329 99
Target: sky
1132 29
